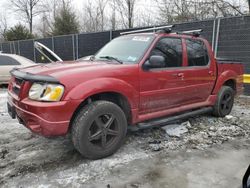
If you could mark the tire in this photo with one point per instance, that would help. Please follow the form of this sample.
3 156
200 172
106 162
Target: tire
224 102
99 129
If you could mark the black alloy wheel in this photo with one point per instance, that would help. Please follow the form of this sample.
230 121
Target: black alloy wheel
99 129
104 130
224 102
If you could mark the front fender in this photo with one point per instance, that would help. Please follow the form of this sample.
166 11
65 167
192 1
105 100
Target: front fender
225 76
101 85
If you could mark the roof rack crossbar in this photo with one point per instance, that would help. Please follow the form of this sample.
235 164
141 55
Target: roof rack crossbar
148 29
192 31
195 33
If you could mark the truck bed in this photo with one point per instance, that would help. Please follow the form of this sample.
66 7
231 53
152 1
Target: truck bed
233 66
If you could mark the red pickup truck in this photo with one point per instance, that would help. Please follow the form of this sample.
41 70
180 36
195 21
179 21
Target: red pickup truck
139 79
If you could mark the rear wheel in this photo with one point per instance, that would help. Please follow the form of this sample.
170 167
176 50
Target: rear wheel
99 129
224 103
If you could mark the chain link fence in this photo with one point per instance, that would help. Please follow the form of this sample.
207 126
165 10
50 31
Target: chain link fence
229 37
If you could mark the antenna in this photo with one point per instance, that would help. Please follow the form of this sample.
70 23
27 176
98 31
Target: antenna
149 29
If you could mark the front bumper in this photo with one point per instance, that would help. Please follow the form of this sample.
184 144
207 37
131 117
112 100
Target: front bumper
43 118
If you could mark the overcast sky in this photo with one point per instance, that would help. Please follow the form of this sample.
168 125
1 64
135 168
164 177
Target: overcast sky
13 18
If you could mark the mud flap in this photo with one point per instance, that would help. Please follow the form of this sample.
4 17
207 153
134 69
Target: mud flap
11 111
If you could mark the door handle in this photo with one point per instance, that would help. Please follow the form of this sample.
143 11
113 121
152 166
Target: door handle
180 75
211 73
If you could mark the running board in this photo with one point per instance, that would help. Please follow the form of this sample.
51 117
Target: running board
167 120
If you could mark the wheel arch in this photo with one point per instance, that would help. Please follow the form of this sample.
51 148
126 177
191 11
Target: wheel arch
114 97
230 83
227 78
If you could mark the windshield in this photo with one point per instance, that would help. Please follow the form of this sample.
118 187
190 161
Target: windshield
127 49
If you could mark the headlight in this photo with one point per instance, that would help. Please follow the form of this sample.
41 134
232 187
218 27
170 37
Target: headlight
46 92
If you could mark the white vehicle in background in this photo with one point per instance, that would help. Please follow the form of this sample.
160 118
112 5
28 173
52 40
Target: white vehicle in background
10 61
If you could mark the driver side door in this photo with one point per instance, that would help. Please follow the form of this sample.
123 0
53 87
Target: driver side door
163 88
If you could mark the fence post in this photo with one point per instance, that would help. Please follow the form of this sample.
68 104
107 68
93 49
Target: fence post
77 46
34 54
18 44
53 44
14 47
73 45
110 34
154 29
213 39
10 47
217 38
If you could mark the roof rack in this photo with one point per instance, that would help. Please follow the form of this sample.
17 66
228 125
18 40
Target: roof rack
168 27
195 33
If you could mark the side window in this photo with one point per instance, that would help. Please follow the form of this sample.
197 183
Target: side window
5 60
197 53
171 50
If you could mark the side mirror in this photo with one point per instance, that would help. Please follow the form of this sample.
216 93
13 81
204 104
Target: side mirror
155 61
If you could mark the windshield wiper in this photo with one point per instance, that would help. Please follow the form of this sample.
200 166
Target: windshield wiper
112 58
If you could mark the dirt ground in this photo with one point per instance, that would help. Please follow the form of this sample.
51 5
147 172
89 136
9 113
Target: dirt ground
211 152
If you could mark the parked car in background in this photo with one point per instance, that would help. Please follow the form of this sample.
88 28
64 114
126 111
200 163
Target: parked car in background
10 61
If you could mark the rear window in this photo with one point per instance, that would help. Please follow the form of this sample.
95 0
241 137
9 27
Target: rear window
197 53
5 60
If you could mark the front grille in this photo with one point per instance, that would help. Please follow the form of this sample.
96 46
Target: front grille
16 85
18 81
16 90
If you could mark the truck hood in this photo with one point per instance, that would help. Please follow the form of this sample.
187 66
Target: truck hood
60 69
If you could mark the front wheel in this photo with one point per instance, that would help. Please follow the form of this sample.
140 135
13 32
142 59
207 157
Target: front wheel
99 129
224 103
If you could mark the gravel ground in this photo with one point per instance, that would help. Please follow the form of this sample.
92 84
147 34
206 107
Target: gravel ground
206 152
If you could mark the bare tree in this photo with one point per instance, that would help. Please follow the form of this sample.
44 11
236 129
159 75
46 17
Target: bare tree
113 18
182 10
94 16
165 11
228 9
145 16
248 1
3 25
126 9
174 11
29 8
91 17
101 4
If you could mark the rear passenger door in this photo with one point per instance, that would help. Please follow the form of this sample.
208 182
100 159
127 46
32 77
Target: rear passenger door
200 71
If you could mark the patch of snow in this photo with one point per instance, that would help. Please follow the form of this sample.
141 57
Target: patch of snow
229 117
3 95
86 171
3 101
176 130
